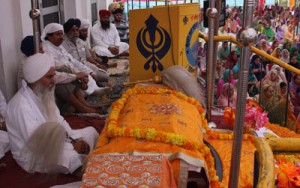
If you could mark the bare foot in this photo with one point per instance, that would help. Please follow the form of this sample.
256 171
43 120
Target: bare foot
112 64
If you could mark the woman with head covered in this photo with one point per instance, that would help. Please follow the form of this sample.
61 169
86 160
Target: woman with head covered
228 96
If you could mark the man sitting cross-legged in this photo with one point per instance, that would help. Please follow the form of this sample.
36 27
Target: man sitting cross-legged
105 38
52 38
36 130
84 35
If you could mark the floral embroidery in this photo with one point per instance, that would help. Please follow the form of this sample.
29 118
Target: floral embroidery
123 171
165 109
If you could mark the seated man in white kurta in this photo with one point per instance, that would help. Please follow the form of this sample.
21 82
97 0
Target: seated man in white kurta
33 108
4 145
52 38
105 37
78 49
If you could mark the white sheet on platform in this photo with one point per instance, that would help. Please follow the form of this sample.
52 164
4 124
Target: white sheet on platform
262 131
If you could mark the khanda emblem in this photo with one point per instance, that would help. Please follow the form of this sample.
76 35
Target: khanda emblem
154 43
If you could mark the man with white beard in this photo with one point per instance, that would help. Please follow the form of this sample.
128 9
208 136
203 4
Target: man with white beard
36 130
78 49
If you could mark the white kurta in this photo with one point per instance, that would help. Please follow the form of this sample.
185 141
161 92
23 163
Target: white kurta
64 59
4 145
80 52
102 39
3 104
24 117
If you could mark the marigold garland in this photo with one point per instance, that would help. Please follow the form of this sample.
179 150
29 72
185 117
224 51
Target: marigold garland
150 134
282 131
226 135
288 170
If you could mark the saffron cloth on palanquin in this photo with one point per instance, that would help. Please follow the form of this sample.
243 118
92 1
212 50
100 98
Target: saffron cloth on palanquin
160 112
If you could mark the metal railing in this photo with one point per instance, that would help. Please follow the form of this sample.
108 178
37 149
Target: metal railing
255 50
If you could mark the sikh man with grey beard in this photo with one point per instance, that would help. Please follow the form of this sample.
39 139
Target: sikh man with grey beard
78 49
105 38
40 138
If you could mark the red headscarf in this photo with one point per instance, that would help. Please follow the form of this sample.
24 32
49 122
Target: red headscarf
103 13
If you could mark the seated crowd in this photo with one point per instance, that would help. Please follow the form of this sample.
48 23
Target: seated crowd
67 69
275 27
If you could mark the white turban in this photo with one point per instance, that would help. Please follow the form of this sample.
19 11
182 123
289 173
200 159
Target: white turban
36 66
85 24
51 28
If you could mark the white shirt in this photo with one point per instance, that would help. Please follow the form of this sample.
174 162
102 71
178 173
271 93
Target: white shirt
105 38
79 50
64 58
4 145
3 105
102 39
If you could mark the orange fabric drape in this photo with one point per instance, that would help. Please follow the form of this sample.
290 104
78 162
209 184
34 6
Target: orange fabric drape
246 173
162 112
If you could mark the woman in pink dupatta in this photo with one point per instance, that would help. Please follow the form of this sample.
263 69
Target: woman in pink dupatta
228 96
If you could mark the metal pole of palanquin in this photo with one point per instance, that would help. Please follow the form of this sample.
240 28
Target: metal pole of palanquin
246 36
216 29
34 15
211 13
294 23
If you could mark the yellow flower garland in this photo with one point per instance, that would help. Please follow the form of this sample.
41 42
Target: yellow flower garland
151 134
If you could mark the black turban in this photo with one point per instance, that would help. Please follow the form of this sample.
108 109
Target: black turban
27 46
70 23
118 10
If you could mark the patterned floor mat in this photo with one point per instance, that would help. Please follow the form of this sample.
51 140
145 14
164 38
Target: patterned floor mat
118 75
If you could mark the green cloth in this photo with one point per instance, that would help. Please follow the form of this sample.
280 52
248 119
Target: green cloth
226 75
292 50
269 32
226 52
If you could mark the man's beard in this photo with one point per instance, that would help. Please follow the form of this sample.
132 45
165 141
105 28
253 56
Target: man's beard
105 25
73 39
47 99
82 37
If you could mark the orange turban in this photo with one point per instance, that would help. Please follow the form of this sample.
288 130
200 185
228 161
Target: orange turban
103 13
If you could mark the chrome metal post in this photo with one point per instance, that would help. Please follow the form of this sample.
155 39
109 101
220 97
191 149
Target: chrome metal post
211 14
34 15
216 44
246 36
293 43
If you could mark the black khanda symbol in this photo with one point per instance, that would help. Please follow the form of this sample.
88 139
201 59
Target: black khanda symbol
152 49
